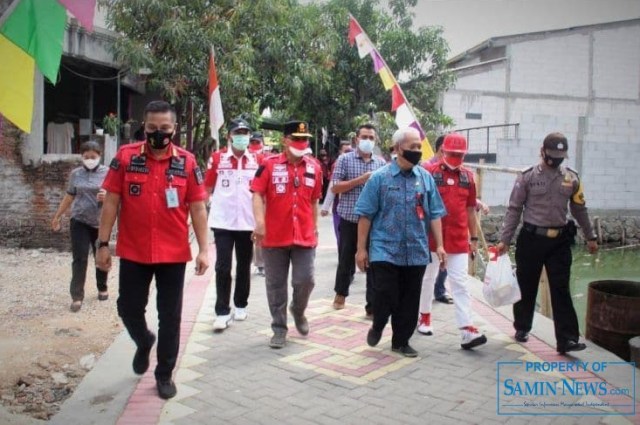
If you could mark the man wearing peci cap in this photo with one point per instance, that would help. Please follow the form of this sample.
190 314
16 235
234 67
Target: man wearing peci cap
231 219
542 194
286 190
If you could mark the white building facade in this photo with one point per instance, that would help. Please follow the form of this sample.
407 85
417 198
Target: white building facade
583 82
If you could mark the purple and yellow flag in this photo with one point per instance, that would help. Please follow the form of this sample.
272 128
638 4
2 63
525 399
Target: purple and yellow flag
404 113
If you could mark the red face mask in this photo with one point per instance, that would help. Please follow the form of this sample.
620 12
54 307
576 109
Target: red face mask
298 147
453 162
257 147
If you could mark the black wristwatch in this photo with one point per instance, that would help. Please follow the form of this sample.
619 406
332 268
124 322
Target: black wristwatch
101 244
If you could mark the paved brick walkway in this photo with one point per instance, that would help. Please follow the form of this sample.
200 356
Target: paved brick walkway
332 376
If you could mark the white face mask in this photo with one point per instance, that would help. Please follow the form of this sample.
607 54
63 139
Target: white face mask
366 146
91 163
298 153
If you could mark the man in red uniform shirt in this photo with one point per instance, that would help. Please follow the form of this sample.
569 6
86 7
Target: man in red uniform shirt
286 190
458 190
156 185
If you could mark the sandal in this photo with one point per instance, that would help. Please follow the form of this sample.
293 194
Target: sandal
103 296
75 306
445 299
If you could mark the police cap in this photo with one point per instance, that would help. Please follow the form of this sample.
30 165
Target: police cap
238 124
555 145
297 129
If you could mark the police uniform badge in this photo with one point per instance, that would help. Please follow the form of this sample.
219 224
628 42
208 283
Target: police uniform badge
281 188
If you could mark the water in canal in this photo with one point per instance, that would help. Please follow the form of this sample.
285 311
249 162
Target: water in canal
623 264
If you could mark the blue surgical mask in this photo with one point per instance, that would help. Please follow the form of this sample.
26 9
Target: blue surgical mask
240 141
366 146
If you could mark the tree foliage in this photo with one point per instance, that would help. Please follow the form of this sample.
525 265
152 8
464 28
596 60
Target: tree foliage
292 58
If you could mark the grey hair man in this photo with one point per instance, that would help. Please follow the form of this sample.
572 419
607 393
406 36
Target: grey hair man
397 208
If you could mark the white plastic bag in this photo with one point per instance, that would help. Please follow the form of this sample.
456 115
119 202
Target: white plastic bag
500 283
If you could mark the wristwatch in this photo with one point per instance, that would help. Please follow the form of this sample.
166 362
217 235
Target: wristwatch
101 244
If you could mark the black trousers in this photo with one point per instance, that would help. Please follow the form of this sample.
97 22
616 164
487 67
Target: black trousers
83 238
397 295
533 252
347 247
225 241
135 279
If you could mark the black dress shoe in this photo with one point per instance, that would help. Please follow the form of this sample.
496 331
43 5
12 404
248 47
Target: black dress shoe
166 388
406 351
141 359
373 337
571 346
522 336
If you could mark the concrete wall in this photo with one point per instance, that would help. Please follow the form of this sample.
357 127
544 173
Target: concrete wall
584 83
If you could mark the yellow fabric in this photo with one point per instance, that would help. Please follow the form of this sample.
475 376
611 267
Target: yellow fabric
387 79
578 196
16 84
427 152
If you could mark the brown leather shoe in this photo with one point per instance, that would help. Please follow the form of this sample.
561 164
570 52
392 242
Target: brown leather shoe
338 302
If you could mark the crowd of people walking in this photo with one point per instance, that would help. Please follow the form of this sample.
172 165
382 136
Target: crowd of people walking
408 225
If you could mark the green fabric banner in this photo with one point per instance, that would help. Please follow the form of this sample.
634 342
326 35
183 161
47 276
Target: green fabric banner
37 27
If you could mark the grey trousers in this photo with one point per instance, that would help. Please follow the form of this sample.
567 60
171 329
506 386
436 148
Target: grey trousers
276 269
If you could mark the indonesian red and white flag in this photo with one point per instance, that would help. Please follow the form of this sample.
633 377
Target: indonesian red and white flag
359 37
216 116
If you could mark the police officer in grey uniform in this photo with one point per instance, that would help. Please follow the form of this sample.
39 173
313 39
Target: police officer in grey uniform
541 194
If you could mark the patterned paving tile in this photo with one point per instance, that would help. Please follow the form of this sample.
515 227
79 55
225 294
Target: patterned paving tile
337 346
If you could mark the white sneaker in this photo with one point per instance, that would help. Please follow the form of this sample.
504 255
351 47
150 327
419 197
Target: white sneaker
240 314
425 329
424 326
222 322
471 337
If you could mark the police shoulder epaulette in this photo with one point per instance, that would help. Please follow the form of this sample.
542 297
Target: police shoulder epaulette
526 170
572 170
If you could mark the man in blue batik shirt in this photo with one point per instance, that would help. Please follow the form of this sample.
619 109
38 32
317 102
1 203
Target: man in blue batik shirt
395 207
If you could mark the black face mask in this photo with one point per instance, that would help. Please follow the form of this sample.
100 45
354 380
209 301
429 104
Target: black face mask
157 139
552 162
412 156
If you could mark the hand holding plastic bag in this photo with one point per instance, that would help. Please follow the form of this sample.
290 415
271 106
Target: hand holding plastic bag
500 284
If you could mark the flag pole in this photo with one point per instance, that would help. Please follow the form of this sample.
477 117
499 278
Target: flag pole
7 12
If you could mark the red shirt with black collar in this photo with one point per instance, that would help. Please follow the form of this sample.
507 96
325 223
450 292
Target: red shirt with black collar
458 191
290 192
155 194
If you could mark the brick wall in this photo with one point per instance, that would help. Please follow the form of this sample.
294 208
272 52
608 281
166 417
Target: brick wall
29 197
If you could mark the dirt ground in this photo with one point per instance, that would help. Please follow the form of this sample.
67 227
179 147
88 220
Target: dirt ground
45 349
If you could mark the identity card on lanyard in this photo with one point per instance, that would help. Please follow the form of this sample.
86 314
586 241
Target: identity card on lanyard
171 194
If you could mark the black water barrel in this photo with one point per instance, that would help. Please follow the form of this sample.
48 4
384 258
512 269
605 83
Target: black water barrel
613 314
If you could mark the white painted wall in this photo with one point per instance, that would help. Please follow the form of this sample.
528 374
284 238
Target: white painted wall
552 83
